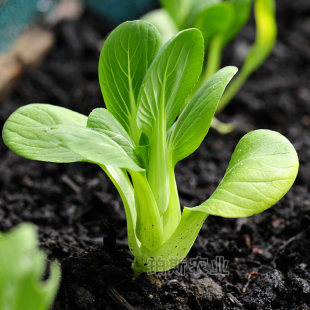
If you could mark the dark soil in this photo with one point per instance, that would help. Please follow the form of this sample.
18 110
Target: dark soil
76 205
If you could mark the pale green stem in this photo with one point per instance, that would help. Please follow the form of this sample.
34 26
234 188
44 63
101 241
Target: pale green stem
174 250
232 89
264 12
172 216
123 185
135 132
222 128
213 58
149 227
158 170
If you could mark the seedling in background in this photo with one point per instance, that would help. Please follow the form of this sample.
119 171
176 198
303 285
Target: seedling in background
219 21
22 266
138 139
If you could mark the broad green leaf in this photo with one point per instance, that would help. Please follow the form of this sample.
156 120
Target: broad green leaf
241 16
174 250
94 146
163 21
170 79
193 124
103 121
22 266
167 83
262 169
199 6
25 132
178 9
214 20
125 57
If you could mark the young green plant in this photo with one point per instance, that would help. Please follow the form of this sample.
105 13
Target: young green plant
219 21
22 266
139 138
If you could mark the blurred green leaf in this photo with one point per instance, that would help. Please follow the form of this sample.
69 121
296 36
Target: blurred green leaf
22 266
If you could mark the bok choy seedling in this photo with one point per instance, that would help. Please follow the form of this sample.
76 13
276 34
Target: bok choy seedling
139 138
219 21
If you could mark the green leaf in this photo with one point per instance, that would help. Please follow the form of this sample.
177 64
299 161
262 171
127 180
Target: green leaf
103 121
214 20
167 83
199 6
241 16
170 79
163 21
22 266
178 9
125 57
94 146
193 124
262 169
25 132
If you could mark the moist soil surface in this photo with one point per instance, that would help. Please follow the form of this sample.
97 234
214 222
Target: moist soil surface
260 262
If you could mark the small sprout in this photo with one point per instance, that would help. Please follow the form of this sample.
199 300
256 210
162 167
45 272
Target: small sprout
141 135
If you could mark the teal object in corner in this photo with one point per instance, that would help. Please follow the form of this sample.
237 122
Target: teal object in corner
118 11
15 15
